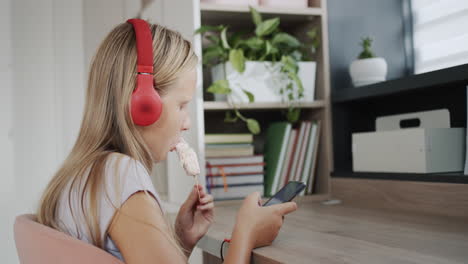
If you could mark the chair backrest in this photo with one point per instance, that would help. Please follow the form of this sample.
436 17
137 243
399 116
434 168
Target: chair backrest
39 244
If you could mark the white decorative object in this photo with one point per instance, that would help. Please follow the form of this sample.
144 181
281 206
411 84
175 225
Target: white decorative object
368 71
264 80
232 2
284 3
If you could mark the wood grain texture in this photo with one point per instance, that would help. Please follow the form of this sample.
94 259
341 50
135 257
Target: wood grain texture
317 233
446 199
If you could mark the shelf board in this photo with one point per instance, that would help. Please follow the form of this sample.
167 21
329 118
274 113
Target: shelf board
239 16
220 106
310 11
449 76
455 177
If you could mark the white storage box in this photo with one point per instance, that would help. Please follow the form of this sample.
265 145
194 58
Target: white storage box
429 148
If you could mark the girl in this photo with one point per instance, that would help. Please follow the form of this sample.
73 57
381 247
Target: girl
102 193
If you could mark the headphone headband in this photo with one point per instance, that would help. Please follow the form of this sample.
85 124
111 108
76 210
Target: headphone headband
144 42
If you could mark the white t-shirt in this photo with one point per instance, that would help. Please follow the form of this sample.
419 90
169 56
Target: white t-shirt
120 170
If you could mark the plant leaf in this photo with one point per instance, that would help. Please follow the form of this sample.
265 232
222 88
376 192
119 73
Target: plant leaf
236 57
312 34
285 39
267 27
293 76
289 64
219 87
206 28
213 38
229 117
268 47
250 95
224 39
253 126
211 53
254 43
293 114
256 17
296 55
235 39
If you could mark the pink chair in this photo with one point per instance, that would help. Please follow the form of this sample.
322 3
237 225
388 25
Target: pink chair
39 244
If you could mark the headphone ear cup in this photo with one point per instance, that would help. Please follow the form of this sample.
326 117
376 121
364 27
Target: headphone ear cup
146 104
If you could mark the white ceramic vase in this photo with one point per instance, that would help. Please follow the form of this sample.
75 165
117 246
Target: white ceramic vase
264 80
368 71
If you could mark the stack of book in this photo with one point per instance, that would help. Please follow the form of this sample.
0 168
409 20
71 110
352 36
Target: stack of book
232 169
291 155
224 145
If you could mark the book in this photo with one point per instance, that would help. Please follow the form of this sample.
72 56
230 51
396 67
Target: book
235 179
228 138
287 158
292 173
310 181
277 135
302 151
228 146
235 191
291 160
231 169
235 160
308 156
227 152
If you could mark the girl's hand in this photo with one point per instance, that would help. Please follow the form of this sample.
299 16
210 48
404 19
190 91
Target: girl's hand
194 217
260 224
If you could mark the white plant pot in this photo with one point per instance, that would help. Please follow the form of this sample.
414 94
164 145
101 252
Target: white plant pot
264 80
285 3
368 71
232 2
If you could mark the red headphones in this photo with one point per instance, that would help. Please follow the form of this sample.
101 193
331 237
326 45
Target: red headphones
146 104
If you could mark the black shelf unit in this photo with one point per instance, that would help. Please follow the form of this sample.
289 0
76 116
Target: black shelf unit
454 76
354 109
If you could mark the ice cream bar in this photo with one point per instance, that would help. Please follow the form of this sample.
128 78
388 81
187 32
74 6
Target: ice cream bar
188 158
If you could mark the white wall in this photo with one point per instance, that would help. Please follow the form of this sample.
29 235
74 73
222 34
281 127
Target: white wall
42 101
7 186
45 52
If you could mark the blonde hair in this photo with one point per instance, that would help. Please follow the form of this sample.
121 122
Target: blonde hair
107 126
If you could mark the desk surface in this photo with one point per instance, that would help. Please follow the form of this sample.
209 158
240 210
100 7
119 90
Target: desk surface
323 234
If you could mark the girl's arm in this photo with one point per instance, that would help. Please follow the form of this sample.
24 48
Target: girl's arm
143 243
240 248
139 242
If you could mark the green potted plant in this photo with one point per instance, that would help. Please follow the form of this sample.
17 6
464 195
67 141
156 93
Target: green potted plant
367 69
267 65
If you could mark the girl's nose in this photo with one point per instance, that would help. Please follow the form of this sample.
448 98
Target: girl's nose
187 124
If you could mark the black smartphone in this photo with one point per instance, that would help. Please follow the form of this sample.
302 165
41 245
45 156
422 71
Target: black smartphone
287 193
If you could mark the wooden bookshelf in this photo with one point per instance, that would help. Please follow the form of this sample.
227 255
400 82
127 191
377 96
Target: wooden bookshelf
295 22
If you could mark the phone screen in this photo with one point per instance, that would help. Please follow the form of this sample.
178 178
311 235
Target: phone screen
287 193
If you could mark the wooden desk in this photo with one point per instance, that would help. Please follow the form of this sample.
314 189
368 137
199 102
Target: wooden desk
323 234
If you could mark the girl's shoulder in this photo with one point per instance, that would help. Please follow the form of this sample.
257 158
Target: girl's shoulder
124 165
126 175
